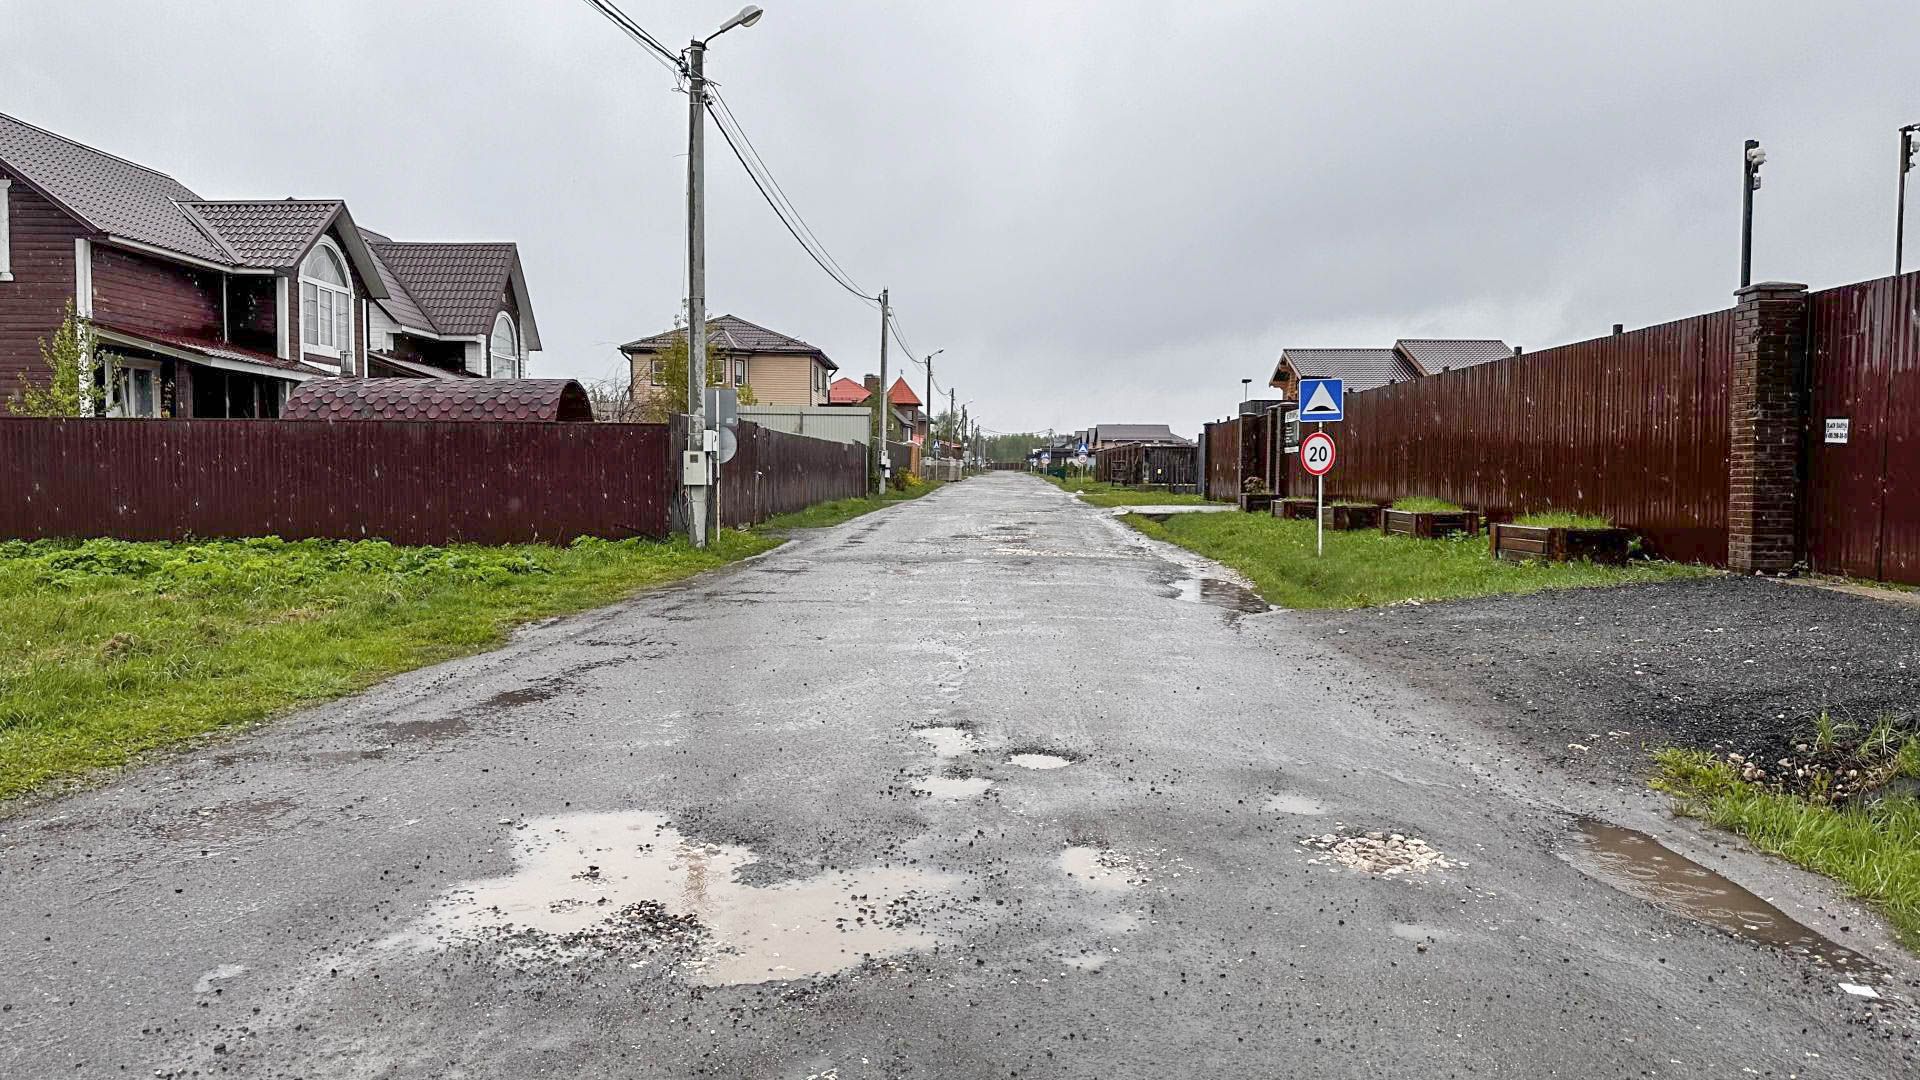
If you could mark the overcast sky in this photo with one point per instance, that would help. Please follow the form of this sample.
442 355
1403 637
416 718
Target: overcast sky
1104 212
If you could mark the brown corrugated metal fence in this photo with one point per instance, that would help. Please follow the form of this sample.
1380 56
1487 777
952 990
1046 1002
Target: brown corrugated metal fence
1631 427
409 482
773 472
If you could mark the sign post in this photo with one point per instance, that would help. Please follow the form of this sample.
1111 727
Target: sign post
1317 454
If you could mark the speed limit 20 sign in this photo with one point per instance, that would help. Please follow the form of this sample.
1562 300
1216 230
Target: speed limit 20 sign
1317 453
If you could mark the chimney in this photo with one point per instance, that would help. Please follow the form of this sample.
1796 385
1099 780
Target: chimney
872 383
1619 328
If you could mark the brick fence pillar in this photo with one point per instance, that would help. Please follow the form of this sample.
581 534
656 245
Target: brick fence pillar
1764 413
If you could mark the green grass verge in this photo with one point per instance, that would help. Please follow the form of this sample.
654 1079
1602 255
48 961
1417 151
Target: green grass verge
1873 850
110 648
1563 519
1101 493
1363 568
821 515
1421 504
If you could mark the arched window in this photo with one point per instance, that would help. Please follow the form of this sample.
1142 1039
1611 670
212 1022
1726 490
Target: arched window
506 348
325 301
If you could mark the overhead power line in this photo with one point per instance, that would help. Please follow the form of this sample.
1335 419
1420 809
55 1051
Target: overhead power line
667 57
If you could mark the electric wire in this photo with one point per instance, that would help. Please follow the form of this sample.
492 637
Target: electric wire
611 11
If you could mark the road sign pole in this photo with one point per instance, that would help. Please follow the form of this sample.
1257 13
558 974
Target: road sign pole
1320 512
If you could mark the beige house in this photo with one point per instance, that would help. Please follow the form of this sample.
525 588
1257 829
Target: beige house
780 370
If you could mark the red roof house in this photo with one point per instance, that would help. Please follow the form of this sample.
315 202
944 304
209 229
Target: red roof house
846 392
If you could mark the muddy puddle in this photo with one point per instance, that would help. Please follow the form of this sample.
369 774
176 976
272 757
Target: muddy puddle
1039 761
952 787
631 884
1096 870
947 742
1296 804
1220 594
1641 866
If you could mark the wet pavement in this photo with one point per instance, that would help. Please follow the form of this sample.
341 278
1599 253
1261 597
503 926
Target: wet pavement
981 785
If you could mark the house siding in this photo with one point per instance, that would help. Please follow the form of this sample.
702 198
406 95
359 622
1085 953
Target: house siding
781 379
33 304
137 292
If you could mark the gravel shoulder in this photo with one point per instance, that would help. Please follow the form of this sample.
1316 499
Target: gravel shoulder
1594 680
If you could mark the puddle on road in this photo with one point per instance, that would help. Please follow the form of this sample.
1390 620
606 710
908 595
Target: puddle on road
622 882
1222 594
420 730
1295 804
1097 870
1641 866
952 787
948 742
526 695
1039 761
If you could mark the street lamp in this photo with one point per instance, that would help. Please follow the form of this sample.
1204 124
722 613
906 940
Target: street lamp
1749 183
1246 389
932 443
697 472
1909 146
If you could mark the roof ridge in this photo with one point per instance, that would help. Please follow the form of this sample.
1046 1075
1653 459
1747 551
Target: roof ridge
189 208
96 150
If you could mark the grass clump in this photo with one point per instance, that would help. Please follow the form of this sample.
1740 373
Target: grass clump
1563 519
1100 493
1363 568
109 648
1422 504
1873 848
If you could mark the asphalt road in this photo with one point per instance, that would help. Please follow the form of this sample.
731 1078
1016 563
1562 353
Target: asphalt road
708 832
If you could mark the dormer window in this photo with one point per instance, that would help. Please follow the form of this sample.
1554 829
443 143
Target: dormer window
325 301
506 348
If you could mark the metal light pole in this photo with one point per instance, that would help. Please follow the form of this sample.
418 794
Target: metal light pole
1749 183
1908 146
698 474
1246 389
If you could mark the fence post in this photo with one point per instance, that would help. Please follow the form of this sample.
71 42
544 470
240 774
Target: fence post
1764 426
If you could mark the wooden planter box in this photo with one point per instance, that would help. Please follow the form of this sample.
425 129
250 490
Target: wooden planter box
1350 517
1257 504
1558 545
1294 509
1429 525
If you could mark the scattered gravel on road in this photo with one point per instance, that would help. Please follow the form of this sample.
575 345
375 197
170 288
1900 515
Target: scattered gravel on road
1383 853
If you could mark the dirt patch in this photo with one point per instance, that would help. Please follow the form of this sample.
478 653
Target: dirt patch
1596 678
403 731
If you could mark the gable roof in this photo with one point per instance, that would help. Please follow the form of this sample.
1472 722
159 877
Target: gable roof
902 394
1134 433
1359 369
108 194
1434 355
735 334
846 392
456 288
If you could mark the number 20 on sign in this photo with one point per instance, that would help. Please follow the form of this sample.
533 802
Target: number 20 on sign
1317 454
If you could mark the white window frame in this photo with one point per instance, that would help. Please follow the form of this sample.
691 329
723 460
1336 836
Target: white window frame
118 401
513 330
739 372
6 229
340 296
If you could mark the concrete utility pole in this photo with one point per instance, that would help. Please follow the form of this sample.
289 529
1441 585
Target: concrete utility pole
953 417
698 481
881 407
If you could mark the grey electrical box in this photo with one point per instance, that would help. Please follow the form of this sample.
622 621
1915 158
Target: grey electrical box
693 468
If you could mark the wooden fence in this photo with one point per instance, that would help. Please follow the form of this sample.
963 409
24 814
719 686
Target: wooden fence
409 482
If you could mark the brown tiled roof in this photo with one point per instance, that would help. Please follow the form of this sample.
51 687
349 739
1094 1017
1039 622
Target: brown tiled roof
1359 369
218 350
522 400
1434 355
110 194
736 334
399 305
267 232
847 392
1134 433
458 287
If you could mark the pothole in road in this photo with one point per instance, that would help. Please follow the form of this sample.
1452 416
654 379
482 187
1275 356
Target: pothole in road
1221 594
952 788
1039 761
1296 804
1382 853
1641 866
630 884
947 742
1100 870
420 730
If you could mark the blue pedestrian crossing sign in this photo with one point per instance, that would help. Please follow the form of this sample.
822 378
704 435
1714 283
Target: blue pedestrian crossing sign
1322 401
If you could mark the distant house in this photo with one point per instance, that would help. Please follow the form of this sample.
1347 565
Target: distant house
781 370
216 308
1106 435
907 413
1367 369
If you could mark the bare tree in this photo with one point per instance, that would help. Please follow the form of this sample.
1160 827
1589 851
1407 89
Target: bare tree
613 402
